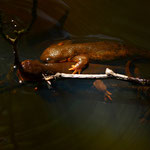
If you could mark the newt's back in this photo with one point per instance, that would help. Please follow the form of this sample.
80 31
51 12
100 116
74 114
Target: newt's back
102 50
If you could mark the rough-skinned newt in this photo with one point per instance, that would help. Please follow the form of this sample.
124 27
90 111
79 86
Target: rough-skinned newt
35 69
82 53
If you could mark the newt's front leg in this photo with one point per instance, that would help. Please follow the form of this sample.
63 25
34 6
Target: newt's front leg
81 61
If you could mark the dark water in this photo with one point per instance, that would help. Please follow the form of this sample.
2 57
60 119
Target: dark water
73 114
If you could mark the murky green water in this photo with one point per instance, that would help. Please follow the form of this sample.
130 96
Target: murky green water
73 114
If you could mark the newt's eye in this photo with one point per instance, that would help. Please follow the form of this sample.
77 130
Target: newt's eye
48 59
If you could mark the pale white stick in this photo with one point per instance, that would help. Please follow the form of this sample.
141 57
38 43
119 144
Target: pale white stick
81 76
108 74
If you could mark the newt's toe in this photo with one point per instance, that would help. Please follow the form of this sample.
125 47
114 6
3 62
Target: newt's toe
72 67
108 96
75 69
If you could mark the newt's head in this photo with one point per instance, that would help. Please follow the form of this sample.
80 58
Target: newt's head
56 54
51 54
32 67
31 70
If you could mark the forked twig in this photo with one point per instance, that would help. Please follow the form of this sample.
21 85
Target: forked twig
108 74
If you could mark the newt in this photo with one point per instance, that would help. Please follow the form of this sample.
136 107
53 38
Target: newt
35 68
83 53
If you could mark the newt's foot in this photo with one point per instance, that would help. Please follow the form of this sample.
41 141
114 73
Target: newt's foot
81 61
75 69
99 85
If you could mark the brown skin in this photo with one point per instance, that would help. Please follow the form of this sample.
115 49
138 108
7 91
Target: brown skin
83 53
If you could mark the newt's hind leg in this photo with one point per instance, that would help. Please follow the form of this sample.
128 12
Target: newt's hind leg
81 61
99 85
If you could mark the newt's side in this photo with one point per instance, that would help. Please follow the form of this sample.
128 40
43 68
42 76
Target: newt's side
82 53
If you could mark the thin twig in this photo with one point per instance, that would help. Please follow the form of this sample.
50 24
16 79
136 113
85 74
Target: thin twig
108 74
